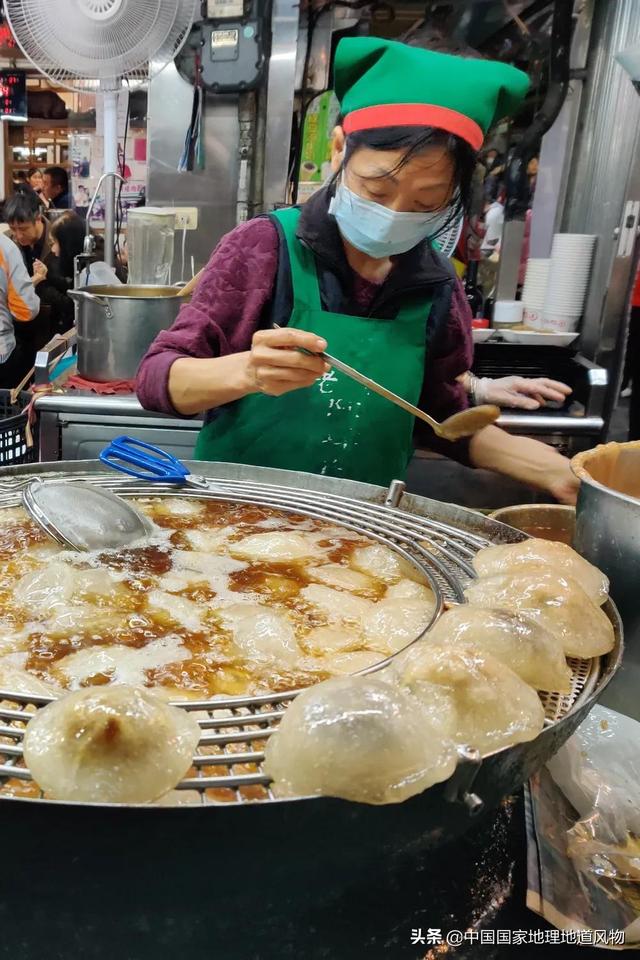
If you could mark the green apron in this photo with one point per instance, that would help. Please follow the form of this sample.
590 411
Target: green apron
337 427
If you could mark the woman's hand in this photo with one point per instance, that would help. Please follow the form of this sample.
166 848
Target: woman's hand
275 365
40 271
523 393
562 483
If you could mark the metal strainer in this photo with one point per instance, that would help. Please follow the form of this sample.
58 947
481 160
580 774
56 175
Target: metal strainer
83 516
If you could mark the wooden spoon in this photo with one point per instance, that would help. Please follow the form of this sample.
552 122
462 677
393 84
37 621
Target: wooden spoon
190 285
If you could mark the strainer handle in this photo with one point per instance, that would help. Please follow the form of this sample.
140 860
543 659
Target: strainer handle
143 460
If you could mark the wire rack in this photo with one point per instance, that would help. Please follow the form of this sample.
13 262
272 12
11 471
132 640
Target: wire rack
227 767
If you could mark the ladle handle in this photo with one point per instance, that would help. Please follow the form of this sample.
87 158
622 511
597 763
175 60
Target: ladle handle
380 390
372 385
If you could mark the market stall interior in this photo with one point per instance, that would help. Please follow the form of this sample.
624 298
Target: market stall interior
324 670
106 355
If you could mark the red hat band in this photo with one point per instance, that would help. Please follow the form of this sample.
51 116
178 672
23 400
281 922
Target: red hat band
415 115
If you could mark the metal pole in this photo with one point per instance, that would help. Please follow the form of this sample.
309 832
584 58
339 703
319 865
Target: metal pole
110 133
247 123
557 144
280 95
257 186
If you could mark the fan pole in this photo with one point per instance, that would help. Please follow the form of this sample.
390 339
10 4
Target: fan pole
110 134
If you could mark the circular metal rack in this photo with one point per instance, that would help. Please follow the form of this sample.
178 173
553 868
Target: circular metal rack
227 766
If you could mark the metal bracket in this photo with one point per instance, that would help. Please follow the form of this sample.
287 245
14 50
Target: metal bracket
628 228
457 788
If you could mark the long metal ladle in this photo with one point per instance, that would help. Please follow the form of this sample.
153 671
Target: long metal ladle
463 424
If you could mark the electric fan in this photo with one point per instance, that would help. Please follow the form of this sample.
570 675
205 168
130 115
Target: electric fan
101 45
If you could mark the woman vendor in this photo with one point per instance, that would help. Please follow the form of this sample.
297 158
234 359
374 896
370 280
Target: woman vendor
357 272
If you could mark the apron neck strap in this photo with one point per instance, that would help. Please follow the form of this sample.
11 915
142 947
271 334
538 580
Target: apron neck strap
304 276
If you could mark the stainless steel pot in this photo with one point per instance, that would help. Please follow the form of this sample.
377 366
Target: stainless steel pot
116 326
608 534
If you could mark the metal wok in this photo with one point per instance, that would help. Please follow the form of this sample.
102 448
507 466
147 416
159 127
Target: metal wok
253 851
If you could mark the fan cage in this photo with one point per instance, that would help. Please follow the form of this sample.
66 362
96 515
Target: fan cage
100 45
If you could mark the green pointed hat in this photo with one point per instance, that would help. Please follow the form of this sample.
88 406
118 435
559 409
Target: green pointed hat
382 83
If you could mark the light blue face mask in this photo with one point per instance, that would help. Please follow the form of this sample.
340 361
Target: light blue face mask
378 231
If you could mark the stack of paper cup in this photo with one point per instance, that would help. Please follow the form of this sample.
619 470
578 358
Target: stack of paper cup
534 292
571 256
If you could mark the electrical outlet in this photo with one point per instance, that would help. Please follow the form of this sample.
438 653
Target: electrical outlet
186 218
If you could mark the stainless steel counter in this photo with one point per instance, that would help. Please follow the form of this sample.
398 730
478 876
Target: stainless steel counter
85 401
550 422
78 424
79 403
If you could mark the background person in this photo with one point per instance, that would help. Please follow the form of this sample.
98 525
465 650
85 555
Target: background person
67 239
35 179
29 227
493 224
55 188
30 230
18 302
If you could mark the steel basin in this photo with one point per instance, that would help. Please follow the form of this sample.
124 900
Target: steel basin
292 858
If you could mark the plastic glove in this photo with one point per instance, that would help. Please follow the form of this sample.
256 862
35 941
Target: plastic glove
520 392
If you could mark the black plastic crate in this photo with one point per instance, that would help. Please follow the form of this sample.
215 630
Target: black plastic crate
13 431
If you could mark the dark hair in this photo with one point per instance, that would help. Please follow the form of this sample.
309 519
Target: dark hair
59 177
68 230
414 141
23 207
31 171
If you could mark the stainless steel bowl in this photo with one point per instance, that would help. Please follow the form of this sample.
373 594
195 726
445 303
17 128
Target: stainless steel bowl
551 521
